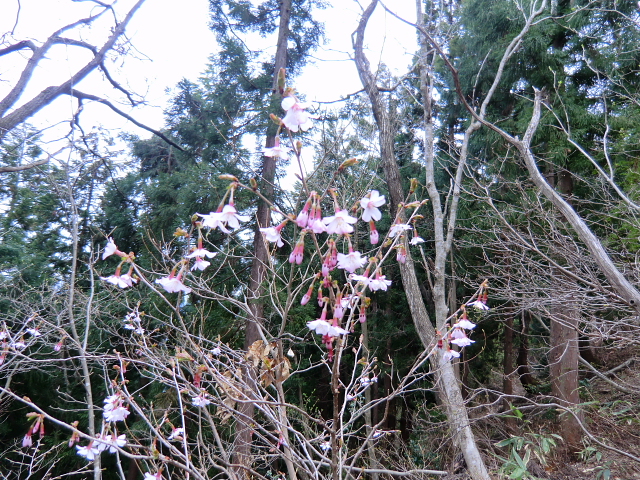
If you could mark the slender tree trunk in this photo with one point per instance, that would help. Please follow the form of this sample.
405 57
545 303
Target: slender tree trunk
449 388
563 368
507 382
524 372
242 447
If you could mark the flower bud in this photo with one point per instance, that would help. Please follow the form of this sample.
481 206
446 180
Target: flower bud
347 163
275 119
413 185
227 176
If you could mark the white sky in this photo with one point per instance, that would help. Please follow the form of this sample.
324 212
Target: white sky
175 43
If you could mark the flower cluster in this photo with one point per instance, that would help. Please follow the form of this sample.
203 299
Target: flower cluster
457 334
114 410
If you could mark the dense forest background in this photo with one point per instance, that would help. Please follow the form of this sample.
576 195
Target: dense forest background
153 326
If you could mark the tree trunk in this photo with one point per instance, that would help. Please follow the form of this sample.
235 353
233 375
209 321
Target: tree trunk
507 382
524 372
449 388
563 368
242 447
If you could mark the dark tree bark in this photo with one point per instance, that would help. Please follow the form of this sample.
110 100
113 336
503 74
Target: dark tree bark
242 447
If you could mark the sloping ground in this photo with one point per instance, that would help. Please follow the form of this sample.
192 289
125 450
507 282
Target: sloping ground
613 418
611 415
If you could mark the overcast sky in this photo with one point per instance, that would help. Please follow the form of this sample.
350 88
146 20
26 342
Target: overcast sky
174 42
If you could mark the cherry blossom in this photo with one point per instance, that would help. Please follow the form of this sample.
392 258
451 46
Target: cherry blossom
117 414
306 297
398 228
361 278
34 332
27 441
303 217
479 304
370 204
449 354
213 220
200 401
277 150
322 327
111 443
465 323
89 452
379 283
273 234
122 281
173 284
351 261
297 254
340 223
111 249
374 236
152 476
176 434
202 252
296 117
416 240
114 411
462 342
230 217
216 351
200 264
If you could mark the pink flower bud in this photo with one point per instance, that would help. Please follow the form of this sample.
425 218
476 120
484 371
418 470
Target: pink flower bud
303 217
374 237
401 256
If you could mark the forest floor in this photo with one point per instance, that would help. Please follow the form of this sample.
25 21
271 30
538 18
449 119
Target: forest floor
610 414
613 417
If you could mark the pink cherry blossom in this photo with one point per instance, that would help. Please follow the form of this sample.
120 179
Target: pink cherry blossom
110 249
322 327
110 443
340 223
398 228
480 305
374 236
230 217
296 117
173 284
272 234
200 401
466 324
416 240
176 434
462 342
379 283
449 354
278 151
370 204
361 278
122 281
351 261
213 221
89 452
200 264
202 252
